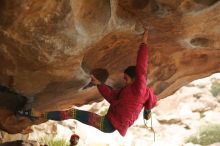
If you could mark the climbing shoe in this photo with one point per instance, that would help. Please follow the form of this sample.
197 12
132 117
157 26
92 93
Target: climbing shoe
26 113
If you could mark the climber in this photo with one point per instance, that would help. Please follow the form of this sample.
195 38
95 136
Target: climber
125 104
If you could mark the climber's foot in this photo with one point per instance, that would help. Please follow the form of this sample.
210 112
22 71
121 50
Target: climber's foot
26 113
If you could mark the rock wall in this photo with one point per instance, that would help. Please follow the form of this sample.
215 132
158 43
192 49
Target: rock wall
48 47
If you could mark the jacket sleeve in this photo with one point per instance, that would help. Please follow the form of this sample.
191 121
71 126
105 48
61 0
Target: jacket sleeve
141 69
151 101
108 93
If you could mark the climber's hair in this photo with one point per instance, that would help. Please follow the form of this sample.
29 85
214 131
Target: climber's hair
130 71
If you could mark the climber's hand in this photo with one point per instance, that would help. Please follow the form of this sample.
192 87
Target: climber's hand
147 114
95 81
145 37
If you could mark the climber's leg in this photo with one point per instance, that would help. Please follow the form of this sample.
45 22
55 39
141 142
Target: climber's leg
100 122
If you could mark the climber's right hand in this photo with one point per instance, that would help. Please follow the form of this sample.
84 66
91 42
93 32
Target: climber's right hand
145 37
95 81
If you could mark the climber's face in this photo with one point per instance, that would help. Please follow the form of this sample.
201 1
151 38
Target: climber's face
128 80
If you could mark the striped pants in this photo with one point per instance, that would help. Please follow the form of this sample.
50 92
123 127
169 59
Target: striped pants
100 122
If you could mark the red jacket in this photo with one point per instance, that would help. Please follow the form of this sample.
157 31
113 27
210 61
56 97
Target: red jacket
126 105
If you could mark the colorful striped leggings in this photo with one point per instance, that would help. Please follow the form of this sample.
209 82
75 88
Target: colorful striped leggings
100 122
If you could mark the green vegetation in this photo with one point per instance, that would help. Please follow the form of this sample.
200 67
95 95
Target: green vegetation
206 135
51 141
215 88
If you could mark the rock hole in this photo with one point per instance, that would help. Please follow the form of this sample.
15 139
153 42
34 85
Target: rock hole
206 2
200 42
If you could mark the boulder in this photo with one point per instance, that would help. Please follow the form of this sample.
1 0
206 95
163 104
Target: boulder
48 48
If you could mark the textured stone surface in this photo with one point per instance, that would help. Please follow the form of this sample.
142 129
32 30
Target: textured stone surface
47 47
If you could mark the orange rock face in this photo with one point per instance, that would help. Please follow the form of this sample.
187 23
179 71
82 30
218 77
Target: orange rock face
47 48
